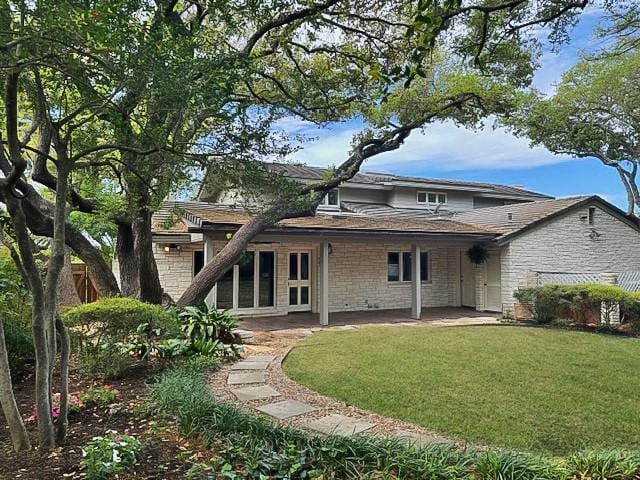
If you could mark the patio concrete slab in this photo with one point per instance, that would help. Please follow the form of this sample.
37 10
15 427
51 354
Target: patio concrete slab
339 425
249 365
286 409
248 394
420 439
242 378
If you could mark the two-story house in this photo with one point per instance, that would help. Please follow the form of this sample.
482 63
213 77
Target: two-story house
384 241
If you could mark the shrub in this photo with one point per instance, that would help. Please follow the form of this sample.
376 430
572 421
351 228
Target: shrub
584 304
115 319
104 457
204 323
19 342
104 361
102 396
74 404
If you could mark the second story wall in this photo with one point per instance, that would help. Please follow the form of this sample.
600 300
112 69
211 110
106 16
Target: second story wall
406 197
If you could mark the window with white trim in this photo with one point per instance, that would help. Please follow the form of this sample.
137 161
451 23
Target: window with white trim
331 199
431 198
399 267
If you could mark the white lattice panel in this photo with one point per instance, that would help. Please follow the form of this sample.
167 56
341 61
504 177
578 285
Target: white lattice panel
630 281
566 278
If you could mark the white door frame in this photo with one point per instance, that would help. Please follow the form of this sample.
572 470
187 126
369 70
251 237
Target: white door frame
298 283
463 261
493 283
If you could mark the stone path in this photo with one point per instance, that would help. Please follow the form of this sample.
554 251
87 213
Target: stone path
258 384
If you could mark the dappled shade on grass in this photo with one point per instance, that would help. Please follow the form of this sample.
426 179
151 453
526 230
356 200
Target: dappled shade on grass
529 389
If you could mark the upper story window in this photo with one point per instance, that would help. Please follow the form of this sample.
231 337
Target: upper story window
592 215
431 198
331 200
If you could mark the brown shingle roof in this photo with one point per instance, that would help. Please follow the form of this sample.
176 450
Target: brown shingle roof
522 214
201 215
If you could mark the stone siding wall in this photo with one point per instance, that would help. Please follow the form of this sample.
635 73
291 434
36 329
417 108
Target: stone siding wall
569 244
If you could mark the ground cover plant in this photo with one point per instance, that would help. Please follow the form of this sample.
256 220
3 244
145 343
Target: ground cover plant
529 389
253 447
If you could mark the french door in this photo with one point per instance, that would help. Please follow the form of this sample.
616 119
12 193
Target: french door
249 284
299 281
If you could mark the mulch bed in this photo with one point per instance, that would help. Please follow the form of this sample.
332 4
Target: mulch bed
165 454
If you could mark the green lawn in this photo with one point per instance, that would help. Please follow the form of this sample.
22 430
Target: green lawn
538 390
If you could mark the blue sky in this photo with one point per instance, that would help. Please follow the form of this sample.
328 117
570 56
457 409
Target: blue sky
445 151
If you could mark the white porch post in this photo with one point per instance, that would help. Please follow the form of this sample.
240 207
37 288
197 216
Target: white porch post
324 284
208 256
416 298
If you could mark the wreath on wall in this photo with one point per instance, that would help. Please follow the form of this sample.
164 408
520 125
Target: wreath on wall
477 254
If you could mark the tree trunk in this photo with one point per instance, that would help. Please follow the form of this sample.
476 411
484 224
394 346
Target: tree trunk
19 435
42 224
204 281
149 280
65 352
127 262
67 292
38 323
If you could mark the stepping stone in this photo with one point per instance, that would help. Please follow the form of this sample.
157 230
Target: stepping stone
339 425
242 378
249 365
261 358
286 409
420 439
248 394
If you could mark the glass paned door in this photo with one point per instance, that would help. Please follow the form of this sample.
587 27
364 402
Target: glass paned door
249 284
299 281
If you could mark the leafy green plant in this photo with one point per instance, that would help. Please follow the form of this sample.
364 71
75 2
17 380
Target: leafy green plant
102 396
115 319
477 254
104 361
204 323
104 457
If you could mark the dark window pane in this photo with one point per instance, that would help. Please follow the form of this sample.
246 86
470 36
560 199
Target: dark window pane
267 279
293 266
198 261
245 280
304 295
442 198
424 266
422 197
406 266
332 198
393 266
224 292
293 295
432 198
304 266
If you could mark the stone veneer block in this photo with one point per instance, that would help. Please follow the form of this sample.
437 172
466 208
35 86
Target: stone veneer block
249 365
339 425
242 378
286 409
248 394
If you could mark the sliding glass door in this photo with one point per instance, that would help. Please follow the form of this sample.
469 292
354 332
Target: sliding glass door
249 284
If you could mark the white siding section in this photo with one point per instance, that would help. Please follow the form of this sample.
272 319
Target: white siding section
564 245
405 197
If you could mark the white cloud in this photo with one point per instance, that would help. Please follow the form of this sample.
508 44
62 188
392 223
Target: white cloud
442 147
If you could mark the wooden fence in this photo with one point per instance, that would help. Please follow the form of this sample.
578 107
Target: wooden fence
84 283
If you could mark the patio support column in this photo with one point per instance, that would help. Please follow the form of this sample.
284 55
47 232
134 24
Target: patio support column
208 256
416 298
323 298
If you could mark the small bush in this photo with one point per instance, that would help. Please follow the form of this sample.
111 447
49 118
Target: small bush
115 319
104 457
583 304
105 361
101 396
19 342
204 323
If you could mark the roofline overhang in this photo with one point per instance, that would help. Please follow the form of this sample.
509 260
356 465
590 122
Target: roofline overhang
338 232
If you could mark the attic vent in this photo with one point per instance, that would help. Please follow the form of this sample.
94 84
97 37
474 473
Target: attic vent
510 216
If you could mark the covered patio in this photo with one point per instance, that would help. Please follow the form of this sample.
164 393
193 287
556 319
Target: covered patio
341 319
